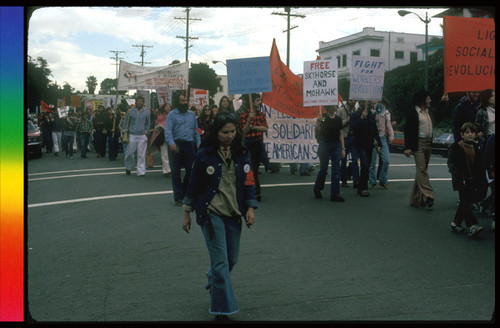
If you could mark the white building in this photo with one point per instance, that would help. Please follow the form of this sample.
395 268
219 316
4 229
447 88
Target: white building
398 49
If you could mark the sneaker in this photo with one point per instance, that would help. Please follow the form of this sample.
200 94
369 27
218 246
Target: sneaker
374 186
474 230
344 184
455 228
305 174
127 172
317 194
337 198
384 185
178 203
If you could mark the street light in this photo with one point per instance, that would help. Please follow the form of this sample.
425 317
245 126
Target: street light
218 61
426 21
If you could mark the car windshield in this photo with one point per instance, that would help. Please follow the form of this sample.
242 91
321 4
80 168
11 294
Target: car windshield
31 126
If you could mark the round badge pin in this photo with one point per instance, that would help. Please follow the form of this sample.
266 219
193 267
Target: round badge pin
210 170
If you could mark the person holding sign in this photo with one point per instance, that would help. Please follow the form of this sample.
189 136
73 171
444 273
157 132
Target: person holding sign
365 132
328 131
222 191
253 124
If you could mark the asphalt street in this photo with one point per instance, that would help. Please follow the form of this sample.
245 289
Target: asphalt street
102 246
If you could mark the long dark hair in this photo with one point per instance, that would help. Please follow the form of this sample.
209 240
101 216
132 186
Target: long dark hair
220 120
229 104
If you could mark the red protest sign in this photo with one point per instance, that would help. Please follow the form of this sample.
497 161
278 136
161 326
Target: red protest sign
469 54
287 94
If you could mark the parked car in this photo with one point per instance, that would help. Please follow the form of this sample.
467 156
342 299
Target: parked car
441 144
35 140
399 141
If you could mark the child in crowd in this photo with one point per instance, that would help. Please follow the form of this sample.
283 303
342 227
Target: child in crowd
468 177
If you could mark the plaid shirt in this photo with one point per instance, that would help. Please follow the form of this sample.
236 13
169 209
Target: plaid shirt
258 120
84 126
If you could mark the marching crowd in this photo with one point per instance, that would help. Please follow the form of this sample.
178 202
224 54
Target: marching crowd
360 129
221 147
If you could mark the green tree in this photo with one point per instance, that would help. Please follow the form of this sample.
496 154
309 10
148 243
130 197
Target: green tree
37 82
108 87
91 84
201 76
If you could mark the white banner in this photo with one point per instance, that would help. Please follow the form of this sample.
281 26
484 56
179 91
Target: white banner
367 78
320 83
136 77
289 139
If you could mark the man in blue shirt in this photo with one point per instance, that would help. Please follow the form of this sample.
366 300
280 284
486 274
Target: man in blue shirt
182 137
137 127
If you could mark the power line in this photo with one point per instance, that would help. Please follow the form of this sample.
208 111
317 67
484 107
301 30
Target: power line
142 53
116 52
187 37
288 14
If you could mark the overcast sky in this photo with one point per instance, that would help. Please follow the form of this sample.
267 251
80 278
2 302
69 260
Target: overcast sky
77 41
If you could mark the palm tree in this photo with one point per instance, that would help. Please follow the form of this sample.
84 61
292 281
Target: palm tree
91 83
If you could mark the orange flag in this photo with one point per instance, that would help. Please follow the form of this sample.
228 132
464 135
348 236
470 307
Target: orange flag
287 94
44 107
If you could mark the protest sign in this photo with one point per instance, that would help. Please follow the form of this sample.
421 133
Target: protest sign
76 101
60 103
320 83
287 90
367 78
63 111
248 75
164 95
289 139
469 53
198 98
137 77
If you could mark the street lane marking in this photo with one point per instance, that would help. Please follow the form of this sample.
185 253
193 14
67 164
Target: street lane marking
155 193
89 199
121 172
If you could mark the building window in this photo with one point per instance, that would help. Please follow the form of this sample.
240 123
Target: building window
400 40
375 53
399 55
356 53
338 61
413 57
344 60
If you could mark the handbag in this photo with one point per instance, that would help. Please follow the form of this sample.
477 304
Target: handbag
124 137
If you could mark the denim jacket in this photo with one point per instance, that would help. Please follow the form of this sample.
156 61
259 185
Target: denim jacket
206 176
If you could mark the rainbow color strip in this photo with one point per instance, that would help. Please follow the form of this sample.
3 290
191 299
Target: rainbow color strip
12 163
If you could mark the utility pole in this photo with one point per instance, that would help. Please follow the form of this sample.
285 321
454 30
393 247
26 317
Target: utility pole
142 53
288 14
116 52
187 37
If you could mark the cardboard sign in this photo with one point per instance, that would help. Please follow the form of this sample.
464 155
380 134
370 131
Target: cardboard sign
286 95
248 75
320 83
198 98
289 139
367 78
469 54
